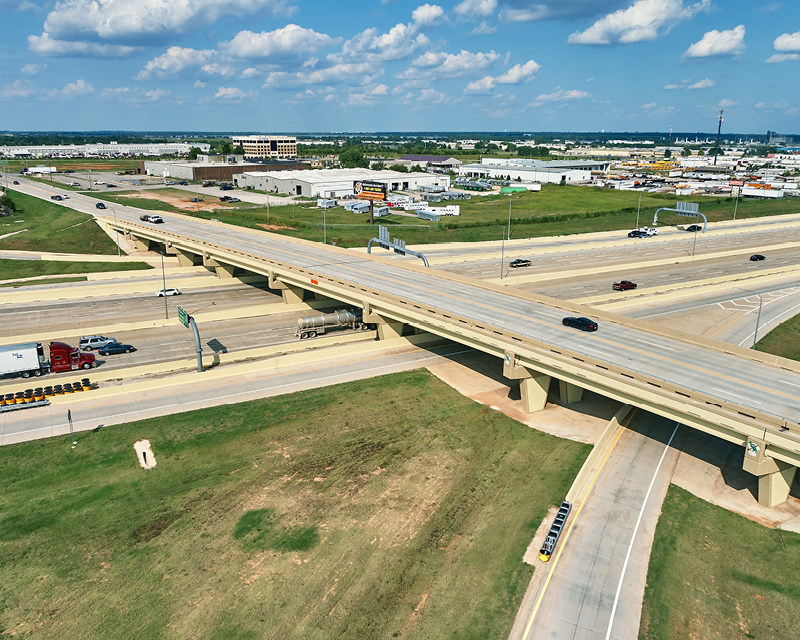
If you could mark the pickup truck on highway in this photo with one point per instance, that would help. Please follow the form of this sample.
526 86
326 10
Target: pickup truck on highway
148 217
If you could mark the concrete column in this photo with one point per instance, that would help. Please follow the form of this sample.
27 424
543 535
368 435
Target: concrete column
773 488
187 259
292 295
225 270
534 392
389 330
569 392
141 245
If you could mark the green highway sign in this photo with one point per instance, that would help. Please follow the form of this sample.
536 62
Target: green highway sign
183 317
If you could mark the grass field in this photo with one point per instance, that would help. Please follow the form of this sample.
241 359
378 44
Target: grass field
783 340
52 227
12 269
386 508
556 210
715 574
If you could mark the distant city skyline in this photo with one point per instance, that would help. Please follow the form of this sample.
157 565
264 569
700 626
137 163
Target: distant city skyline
299 66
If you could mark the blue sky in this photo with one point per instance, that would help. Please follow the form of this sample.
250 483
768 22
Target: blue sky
393 65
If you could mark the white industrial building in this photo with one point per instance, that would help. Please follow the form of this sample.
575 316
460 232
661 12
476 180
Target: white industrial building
334 183
112 149
531 170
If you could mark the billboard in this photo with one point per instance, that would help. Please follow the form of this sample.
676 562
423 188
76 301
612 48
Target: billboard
369 190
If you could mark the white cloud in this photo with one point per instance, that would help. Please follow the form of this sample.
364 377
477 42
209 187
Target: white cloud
292 41
360 74
427 14
702 84
175 60
401 40
433 64
475 8
519 73
649 105
559 95
379 90
771 8
145 21
44 45
234 94
780 104
215 69
718 43
482 86
17 89
71 90
250 72
642 21
33 69
431 96
782 57
787 42
199 85
135 94
483 29
725 103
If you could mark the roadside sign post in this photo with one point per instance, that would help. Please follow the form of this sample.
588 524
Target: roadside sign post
71 434
369 190
188 322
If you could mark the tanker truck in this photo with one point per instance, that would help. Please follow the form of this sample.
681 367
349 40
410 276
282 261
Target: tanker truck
312 326
28 359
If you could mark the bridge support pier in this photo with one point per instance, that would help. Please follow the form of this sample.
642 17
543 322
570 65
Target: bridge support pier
387 328
292 295
141 245
775 477
224 270
569 392
533 385
188 259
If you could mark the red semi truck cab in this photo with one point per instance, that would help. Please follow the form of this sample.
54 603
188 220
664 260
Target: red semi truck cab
66 358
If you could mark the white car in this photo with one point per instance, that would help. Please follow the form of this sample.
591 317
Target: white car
100 182
170 291
168 182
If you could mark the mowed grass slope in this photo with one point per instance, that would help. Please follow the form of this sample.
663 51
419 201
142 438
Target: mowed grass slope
13 269
715 574
783 340
52 227
385 508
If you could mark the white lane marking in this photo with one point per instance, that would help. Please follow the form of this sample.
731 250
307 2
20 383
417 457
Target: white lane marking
596 351
791 383
734 395
650 344
635 529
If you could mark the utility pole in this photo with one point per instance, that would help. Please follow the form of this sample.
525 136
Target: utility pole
719 129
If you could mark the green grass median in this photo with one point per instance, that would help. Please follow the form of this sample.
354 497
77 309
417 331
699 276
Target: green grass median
716 574
384 508
19 269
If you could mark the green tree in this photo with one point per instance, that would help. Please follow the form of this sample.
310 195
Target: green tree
380 165
352 158
7 204
398 167
667 154
490 147
687 152
415 168
238 150
193 152
226 148
701 153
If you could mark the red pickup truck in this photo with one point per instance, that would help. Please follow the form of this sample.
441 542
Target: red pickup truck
623 285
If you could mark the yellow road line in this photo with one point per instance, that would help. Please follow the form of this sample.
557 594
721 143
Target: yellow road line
572 524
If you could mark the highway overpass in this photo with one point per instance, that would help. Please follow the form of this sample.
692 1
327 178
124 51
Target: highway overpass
745 397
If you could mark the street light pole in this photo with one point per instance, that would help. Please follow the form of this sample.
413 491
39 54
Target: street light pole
503 255
694 243
736 206
509 216
324 228
758 318
164 291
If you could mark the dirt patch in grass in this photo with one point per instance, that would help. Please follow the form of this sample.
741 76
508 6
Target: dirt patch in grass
383 508
273 227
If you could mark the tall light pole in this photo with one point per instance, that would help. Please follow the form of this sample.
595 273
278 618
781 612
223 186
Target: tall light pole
736 206
503 255
164 291
324 227
719 129
509 215
758 319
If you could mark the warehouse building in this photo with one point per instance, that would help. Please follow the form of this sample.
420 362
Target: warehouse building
210 170
333 183
109 150
267 146
529 170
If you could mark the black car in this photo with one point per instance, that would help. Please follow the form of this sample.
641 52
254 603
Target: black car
197 200
635 234
115 347
584 324
67 171
756 257
16 182
111 186
184 183
100 205
694 228
519 262
224 198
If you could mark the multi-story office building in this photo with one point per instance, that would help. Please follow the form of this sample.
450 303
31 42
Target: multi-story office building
267 146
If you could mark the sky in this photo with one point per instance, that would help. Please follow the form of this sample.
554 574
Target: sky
275 66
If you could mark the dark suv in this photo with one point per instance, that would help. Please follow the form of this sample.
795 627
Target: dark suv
584 324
